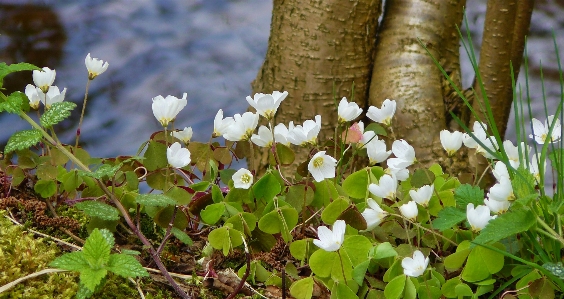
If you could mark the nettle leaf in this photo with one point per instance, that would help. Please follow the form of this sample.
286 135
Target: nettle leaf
109 236
16 67
505 225
125 266
154 200
523 186
15 103
356 184
448 218
91 278
96 250
22 140
73 261
56 113
98 209
466 194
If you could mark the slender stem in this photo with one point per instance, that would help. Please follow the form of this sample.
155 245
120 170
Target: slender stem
82 113
550 230
427 230
168 230
32 275
342 267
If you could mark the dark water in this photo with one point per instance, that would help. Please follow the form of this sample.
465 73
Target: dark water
210 49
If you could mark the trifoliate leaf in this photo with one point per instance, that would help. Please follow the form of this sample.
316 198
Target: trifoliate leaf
96 250
356 184
154 200
98 209
422 177
466 194
155 156
505 225
45 188
15 103
182 236
212 213
266 188
448 218
73 261
22 140
125 266
56 113
91 278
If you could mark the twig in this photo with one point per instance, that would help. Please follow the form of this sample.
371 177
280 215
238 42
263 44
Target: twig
32 275
138 287
44 235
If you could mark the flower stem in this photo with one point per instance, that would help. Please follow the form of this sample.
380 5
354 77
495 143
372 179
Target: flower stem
82 113
342 267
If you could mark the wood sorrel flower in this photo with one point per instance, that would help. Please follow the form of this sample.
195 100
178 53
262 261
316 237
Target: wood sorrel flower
267 104
95 66
347 111
478 217
373 215
52 96
540 131
322 166
306 134
497 206
242 179
177 156
502 191
184 135
44 79
33 96
409 210
405 154
166 109
281 134
386 187
451 142
383 115
331 240
242 127
512 152
415 266
423 195
264 137
220 124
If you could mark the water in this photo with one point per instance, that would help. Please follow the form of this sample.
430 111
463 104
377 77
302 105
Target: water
210 49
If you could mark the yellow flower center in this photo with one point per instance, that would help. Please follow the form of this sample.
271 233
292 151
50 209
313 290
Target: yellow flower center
318 162
246 178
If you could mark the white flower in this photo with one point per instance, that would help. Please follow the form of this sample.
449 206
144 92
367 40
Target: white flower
53 96
478 217
177 156
497 206
243 127
513 152
405 154
242 179
534 167
540 131
415 266
451 142
267 104
502 191
479 133
500 170
281 134
331 240
166 109
306 134
401 174
322 166
95 66
423 195
44 79
386 187
264 137
184 135
409 210
383 115
348 111
33 96
220 125
373 215
376 151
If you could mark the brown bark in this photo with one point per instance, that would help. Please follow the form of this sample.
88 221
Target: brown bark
316 51
403 70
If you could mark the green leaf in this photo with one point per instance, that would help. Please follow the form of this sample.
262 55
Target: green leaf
126 266
466 194
225 238
523 186
456 260
243 222
22 140
212 213
356 184
482 263
16 67
15 103
91 278
357 248
394 289
267 187
96 250
448 218
45 188
280 220
298 196
104 171
182 236
359 271
422 177
286 155
505 225
300 248
334 210
383 250
303 288
73 261
342 291
155 156
322 262
108 236
71 181
56 113
378 129
98 209
154 200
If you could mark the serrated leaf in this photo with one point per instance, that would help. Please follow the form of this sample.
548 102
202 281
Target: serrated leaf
22 140
16 67
96 250
523 186
56 113
448 218
154 200
98 209
505 225
14 103
91 278
108 236
125 266
73 261
466 194
182 236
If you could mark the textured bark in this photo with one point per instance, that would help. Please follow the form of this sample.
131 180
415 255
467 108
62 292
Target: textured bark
403 70
316 51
